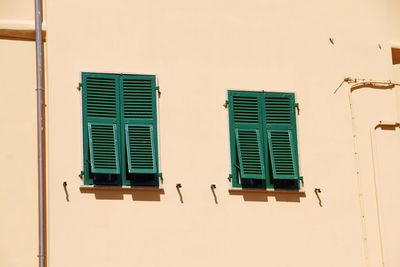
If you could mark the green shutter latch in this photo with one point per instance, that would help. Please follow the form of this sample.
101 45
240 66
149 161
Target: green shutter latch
79 86
81 175
226 104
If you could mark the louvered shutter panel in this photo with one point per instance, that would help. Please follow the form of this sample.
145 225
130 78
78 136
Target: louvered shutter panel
140 123
248 140
104 155
281 131
101 122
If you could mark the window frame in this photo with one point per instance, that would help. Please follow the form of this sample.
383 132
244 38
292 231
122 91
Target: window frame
268 182
124 178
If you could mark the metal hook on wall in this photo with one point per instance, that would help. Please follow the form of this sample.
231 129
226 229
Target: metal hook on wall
178 188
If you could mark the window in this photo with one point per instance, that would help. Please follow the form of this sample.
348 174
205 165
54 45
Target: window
263 140
120 143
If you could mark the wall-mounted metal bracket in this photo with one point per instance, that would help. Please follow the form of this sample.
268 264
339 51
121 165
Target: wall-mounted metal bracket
225 105
178 188
317 191
297 108
213 187
79 87
66 191
158 91
301 179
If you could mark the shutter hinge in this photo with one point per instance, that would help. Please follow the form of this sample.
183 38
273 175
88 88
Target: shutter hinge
297 107
81 175
226 104
160 175
301 180
158 91
79 87
230 177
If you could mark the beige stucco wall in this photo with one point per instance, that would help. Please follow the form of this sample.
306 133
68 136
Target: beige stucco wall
18 193
198 50
17 10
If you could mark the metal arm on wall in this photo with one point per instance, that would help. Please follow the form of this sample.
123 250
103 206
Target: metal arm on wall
360 83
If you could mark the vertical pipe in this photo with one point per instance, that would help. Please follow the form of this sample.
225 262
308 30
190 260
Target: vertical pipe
378 213
40 131
359 183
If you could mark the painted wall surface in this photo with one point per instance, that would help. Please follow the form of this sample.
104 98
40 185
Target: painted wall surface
199 50
18 194
17 10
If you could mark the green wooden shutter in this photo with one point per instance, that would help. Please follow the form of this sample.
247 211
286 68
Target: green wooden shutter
245 108
104 152
250 153
101 123
281 131
140 120
140 148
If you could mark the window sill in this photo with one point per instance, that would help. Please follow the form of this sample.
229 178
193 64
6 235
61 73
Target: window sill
96 188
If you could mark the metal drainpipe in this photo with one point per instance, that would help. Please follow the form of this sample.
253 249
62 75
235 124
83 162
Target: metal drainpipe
40 132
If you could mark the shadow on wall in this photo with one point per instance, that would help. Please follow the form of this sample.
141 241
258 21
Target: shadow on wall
262 196
118 193
371 86
153 194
